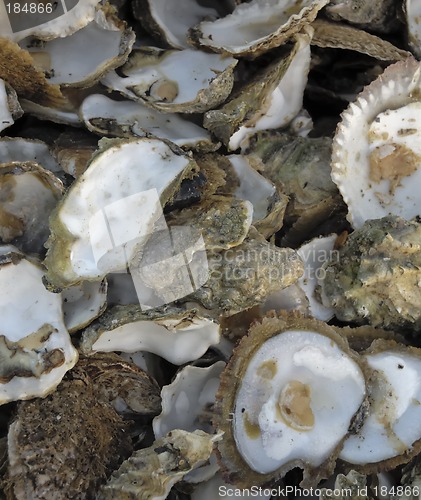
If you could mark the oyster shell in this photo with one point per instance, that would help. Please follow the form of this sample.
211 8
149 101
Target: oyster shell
301 167
270 100
10 109
174 81
62 21
391 432
314 254
108 117
151 472
342 36
187 402
376 150
412 11
65 445
375 15
106 43
376 275
276 398
19 149
129 389
269 203
170 22
17 68
36 350
223 221
176 335
256 27
81 245
28 194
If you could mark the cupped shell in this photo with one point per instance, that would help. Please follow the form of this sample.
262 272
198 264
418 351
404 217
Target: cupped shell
376 155
281 403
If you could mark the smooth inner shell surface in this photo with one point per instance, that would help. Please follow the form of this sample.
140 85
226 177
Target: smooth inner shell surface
296 400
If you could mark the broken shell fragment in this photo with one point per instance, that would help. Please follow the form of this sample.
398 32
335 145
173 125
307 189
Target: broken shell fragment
10 109
376 153
151 472
36 350
286 399
108 213
375 276
391 432
174 81
106 44
176 335
65 445
269 100
28 194
256 27
107 117
188 401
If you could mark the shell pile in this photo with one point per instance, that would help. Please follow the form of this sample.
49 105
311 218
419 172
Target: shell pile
210 249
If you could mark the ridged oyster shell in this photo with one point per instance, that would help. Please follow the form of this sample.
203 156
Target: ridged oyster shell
376 153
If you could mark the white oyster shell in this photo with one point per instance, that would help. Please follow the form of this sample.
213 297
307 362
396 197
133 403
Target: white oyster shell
257 26
376 155
170 20
314 369
112 208
105 44
182 81
286 399
187 401
36 350
393 423
314 254
106 116
65 19
177 336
